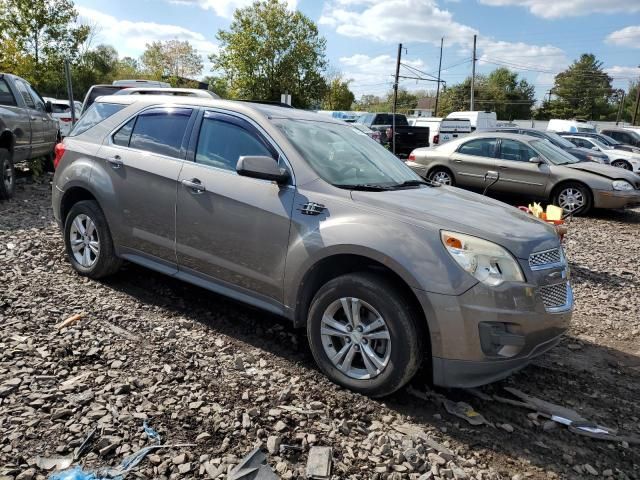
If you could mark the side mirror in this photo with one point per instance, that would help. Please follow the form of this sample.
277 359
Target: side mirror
536 160
260 166
48 107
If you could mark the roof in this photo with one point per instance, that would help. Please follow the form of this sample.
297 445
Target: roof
270 111
494 134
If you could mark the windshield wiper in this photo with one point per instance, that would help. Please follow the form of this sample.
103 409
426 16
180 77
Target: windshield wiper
367 187
416 183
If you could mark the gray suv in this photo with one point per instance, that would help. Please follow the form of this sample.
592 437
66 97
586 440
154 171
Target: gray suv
308 218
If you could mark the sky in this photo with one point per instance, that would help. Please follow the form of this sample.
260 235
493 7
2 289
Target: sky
536 38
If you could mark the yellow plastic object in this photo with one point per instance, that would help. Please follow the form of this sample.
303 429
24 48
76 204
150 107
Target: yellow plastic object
554 213
536 210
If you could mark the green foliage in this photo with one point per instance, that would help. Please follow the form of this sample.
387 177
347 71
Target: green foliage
38 35
500 92
581 91
406 101
338 96
218 85
173 59
269 50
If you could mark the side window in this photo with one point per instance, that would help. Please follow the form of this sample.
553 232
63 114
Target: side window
515 151
6 96
481 147
161 130
623 137
37 99
223 139
26 96
123 135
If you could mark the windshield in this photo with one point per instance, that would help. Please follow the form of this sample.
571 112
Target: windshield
555 155
600 145
559 140
344 156
606 139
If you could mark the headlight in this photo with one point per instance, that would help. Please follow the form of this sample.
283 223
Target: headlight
622 185
489 263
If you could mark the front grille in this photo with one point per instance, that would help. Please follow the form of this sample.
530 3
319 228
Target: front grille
555 296
545 259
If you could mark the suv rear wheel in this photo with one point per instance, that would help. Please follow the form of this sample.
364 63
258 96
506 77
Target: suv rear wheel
362 334
88 241
7 175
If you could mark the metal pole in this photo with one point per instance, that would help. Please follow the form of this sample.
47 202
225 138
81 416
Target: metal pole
439 70
620 107
67 74
473 73
635 113
395 101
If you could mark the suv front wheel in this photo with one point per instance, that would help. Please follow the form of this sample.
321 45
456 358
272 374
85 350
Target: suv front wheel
362 334
88 241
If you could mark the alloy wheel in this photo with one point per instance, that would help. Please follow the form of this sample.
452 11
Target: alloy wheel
441 177
84 240
621 164
7 175
571 199
355 338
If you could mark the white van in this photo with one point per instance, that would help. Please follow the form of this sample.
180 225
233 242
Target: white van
442 130
572 126
479 120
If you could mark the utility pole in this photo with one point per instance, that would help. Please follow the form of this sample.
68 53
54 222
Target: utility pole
395 101
473 73
635 113
620 106
439 70
67 74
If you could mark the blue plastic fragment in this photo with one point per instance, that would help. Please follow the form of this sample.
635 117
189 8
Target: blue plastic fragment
73 474
151 433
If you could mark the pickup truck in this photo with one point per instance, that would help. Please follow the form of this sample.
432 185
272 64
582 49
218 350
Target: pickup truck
27 130
407 137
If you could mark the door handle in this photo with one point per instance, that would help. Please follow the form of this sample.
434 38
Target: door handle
457 161
194 185
115 162
503 167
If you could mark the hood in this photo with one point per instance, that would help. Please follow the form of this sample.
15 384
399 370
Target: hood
450 208
607 171
593 153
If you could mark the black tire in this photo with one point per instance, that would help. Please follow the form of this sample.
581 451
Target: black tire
583 189
7 175
621 164
405 340
441 171
105 262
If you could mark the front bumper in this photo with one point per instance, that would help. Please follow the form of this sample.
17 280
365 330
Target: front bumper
616 199
486 333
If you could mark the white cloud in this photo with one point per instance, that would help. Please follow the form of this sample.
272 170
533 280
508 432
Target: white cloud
375 74
568 8
130 38
395 21
627 37
225 8
623 73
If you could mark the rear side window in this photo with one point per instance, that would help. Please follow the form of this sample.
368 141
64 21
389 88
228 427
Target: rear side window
123 136
224 139
481 147
26 96
96 114
161 130
6 96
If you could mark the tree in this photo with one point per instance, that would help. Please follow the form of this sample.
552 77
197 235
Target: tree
43 30
583 91
218 85
269 50
173 59
338 96
500 91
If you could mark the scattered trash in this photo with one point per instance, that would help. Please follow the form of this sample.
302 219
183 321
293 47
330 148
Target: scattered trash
151 433
565 416
476 392
319 463
74 474
464 411
84 446
253 467
70 321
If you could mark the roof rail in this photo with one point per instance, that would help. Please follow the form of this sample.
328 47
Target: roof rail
266 102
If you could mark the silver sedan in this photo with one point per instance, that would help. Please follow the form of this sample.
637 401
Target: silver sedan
527 166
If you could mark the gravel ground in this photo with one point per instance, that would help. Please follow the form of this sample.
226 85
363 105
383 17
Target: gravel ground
206 371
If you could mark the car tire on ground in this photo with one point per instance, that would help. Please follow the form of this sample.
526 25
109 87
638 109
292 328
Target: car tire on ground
621 164
573 197
88 241
7 175
362 334
441 175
